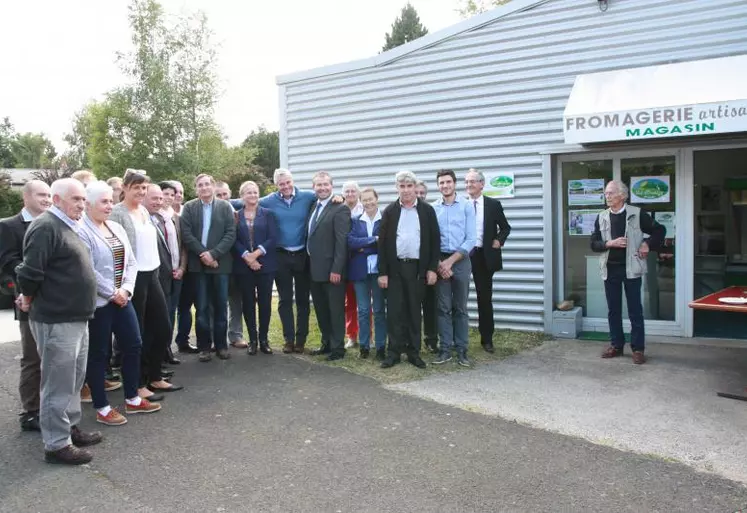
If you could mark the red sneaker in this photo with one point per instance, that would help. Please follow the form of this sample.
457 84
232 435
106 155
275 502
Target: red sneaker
145 406
113 418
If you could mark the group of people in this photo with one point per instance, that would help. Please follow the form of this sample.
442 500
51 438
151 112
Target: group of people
107 273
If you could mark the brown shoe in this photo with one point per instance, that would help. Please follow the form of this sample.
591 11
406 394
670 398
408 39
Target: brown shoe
85 394
638 358
109 386
83 439
239 344
69 455
113 418
612 352
288 348
299 348
145 406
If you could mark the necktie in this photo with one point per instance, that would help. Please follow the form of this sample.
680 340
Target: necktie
475 203
316 214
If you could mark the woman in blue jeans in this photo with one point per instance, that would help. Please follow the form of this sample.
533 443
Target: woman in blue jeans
116 271
363 271
255 264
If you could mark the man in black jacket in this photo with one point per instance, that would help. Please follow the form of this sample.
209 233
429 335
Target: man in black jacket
327 245
58 289
492 231
36 199
408 259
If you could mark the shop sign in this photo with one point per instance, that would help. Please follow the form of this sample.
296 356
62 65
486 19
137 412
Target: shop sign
701 119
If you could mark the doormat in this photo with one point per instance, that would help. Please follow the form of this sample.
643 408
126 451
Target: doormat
599 336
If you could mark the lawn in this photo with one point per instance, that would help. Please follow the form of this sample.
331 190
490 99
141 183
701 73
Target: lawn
506 342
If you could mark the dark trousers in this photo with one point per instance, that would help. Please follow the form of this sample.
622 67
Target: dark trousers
211 302
430 316
30 383
122 322
613 288
293 267
184 309
329 306
153 320
176 291
256 294
483 279
404 296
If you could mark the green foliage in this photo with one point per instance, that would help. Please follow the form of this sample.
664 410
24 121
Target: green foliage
267 146
11 201
469 8
7 134
406 28
33 151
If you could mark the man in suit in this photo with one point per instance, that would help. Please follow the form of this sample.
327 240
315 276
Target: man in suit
36 199
430 312
409 242
208 232
327 245
492 231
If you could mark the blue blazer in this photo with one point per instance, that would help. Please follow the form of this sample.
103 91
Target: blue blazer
265 235
360 246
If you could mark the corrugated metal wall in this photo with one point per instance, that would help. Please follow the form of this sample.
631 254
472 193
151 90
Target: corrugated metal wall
492 98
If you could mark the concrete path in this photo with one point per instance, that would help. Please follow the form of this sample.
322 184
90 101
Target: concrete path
280 434
667 407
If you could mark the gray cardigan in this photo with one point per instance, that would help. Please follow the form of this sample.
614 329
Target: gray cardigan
121 215
103 259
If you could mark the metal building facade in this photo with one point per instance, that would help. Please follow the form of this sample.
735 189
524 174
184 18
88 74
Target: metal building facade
489 93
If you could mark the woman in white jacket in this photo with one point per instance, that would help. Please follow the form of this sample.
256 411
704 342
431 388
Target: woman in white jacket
115 268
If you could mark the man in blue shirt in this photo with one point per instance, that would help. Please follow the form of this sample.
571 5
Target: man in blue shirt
456 222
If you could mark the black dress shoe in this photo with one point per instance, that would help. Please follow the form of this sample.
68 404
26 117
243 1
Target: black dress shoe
30 421
189 349
416 361
488 347
172 388
322 350
381 354
83 439
335 356
389 362
364 353
154 398
167 373
265 347
252 350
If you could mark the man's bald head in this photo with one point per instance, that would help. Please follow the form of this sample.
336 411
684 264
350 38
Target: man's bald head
37 197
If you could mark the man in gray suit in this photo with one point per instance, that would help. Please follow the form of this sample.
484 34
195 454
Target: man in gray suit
328 228
208 232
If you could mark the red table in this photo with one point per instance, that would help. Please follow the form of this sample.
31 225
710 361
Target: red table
711 302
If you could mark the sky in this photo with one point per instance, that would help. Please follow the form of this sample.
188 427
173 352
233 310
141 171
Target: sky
65 52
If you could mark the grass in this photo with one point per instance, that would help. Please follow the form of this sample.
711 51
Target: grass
506 342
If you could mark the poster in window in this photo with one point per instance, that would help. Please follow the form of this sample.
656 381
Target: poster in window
581 222
650 189
499 184
586 191
666 219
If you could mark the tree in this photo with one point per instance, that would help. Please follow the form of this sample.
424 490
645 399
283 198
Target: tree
11 201
267 147
471 7
406 28
33 151
7 135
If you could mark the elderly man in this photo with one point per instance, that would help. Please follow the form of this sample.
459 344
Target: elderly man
36 199
430 312
60 304
618 236
408 260
209 231
115 183
169 223
492 230
456 223
327 245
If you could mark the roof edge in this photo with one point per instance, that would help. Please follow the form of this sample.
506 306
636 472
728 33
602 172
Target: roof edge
426 41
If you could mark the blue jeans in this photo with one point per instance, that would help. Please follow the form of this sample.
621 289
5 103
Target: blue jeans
368 294
211 298
123 323
453 320
613 288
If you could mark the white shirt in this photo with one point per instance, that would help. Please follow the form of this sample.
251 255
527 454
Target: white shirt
408 232
171 238
146 239
26 215
479 217
357 210
372 260
316 215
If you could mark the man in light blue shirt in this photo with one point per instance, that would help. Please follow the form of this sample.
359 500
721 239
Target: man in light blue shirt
456 222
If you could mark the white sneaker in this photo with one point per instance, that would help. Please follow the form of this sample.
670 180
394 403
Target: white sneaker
350 343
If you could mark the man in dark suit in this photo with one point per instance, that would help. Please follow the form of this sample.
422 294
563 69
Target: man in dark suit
36 199
208 232
492 231
327 245
409 242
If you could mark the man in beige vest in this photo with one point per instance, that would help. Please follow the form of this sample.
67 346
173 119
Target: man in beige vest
618 235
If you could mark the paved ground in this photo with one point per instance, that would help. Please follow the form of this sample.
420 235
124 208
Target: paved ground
280 434
667 407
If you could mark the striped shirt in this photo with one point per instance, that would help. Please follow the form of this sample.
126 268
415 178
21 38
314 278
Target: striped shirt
119 254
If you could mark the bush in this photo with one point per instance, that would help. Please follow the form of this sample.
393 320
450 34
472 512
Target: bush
11 201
